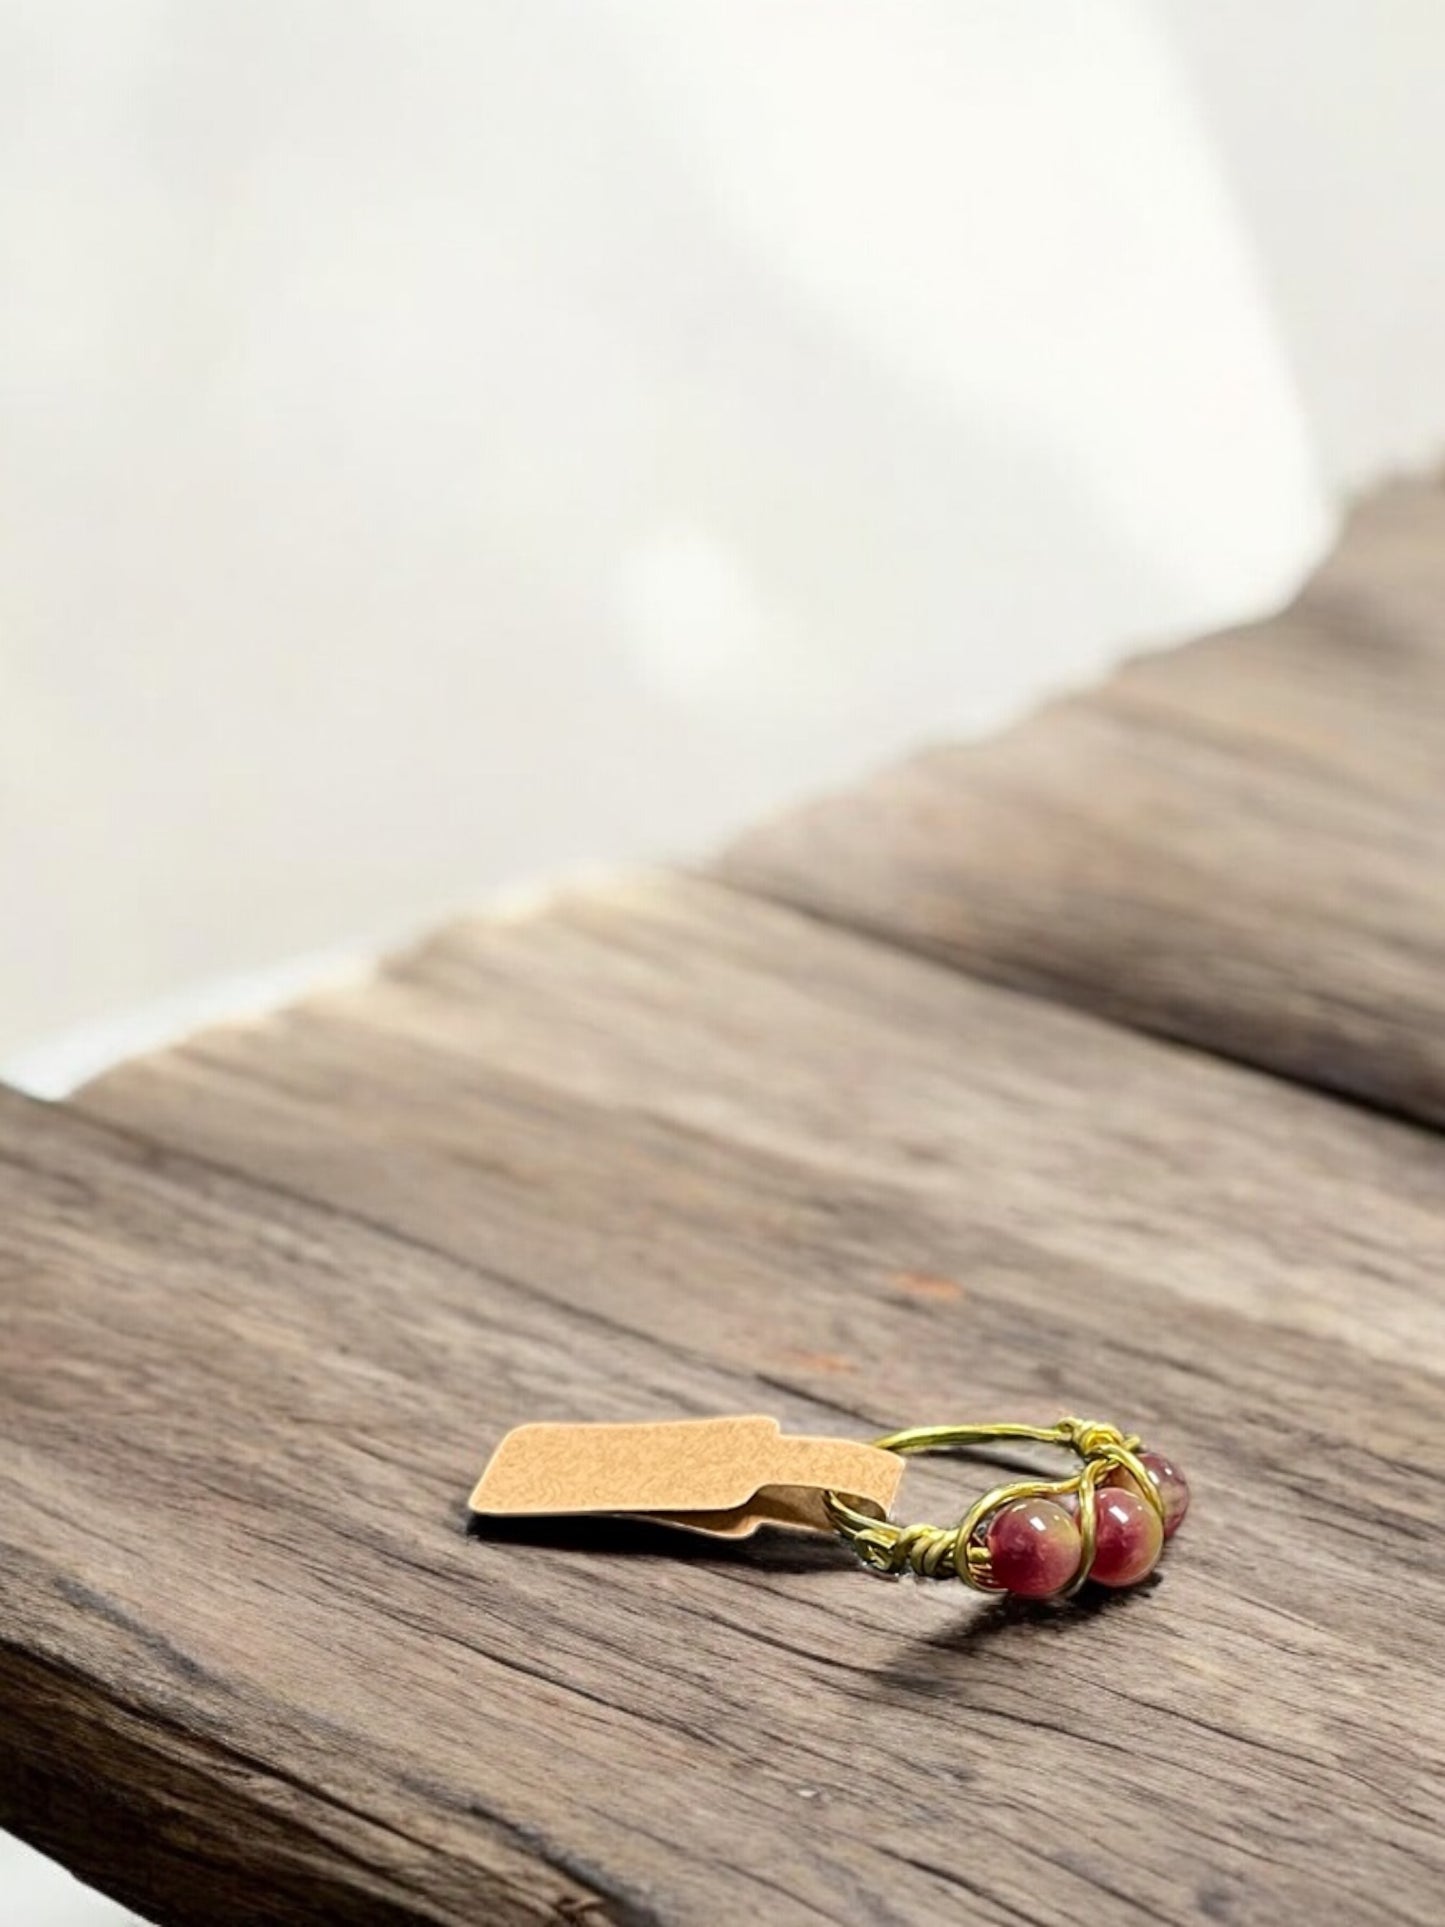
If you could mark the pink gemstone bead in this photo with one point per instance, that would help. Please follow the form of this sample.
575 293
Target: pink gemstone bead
1128 1536
1033 1547
1168 1481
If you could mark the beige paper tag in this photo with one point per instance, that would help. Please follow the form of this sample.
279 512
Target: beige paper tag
725 1476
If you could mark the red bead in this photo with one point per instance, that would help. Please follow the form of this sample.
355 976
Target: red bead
1168 1481
1129 1536
1172 1487
1033 1547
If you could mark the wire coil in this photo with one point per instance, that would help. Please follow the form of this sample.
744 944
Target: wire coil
943 1552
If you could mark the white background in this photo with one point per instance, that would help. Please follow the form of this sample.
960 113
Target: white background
444 444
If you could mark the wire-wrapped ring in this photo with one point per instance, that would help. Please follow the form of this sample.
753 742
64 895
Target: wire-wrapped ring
1109 1458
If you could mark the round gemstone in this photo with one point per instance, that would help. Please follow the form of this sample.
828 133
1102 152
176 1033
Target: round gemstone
1033 1547
1168 1481
1129 1536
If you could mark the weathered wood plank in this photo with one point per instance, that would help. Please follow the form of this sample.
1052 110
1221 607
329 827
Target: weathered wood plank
268 1300
1240 844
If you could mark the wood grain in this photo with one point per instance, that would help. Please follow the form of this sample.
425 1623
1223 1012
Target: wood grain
674 1149
1240 844
665 1151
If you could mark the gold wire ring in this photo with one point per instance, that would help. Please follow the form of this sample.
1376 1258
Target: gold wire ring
942 1552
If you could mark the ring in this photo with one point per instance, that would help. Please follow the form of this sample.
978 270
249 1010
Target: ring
1038 1538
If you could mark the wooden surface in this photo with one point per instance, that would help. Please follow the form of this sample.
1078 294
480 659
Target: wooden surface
674 1148
1240 843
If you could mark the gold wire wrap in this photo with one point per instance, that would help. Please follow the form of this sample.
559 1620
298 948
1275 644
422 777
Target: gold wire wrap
942 1552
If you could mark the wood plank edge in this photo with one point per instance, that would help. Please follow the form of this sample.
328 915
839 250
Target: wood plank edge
1424 1113
136 1811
